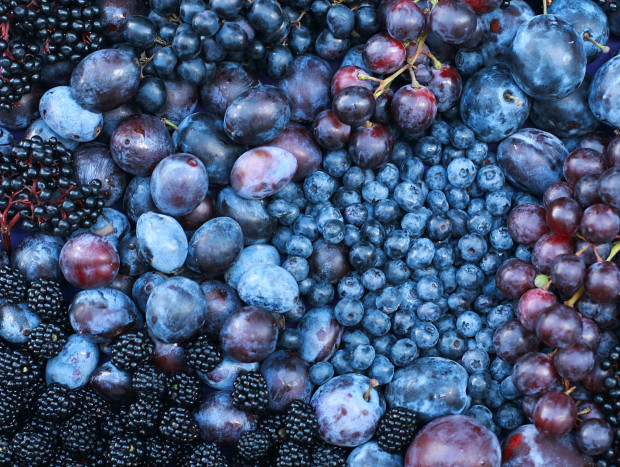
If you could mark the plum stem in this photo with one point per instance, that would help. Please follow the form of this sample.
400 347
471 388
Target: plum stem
508 96
601 47
373 384
169 123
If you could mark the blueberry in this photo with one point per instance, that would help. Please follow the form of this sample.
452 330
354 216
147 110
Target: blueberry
321 372
461 172
468 324
376 323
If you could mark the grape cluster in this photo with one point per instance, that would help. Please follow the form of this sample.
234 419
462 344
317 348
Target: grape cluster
567 294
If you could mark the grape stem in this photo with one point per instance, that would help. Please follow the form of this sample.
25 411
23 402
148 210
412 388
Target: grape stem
614 251
436 63
575 298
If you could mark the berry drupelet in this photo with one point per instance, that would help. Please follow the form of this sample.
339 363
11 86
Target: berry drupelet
126 450
328 455
292 454
144 414
395 429
149 380
45 299
301 423
131 350
184 390
18 370
57 402
250 392
46 341
12 285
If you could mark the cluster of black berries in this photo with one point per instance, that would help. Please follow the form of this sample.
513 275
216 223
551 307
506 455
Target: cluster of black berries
38 191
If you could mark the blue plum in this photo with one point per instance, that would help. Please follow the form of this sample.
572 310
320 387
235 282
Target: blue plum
220 422
215 246
112 225
431 386
370 454
66 117
222 300
604 96
262 172
250 256
203 136
111 383
75 363
270 287
176 310
223 376
37 256
287 377
231 79
162 241
42 129
144 286
137 199
89 261
251 214
179 183
102 314
548 58
250 334
132 262
16 322
568 117
348 408
94 161
493 105
105 79
257 116
532 159
182 98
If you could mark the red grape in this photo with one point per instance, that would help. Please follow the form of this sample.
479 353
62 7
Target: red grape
563 216
414 108
557 190
446 85
512 340
586 191
602 282
514 278
591 334
559 326
574 363
612 154
582 162
527 223
599 224
405 20
484 6
609 188
89 261
531 306
567 273
594 140
370 145
548 248
555 414
354 105
330 132
348 76
534 374
383 54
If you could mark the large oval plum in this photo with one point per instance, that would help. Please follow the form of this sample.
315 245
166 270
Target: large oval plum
215 246
270 287
286 374
75 363
161 241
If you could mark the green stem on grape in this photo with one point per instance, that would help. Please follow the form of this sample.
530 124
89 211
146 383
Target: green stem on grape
363 77
373 384
575 298
614 251
436 63
585 411
601 47
414 81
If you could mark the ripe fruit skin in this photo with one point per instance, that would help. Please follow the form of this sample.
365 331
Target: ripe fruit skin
89 261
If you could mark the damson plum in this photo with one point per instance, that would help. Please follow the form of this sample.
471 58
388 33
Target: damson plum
454 440
220 422
168 357
348 408
371 454
527 446
102 314
262 171
66 117
287 378
176 310
249 257
493 105
251 214
257 115
320 333
414 108
270 287
548 58
307 101
500 27
114 13
182 98
105 79
431 386
225 373
178 184
37 256
94 161
143 287
249 334
111 383
16 322
112 118
204 212
203 136
231 79
371 145
162 241
604 96
137 199
75 363
42 129
299 142
330 132
453 21
139 143
89 261
532 159
215 246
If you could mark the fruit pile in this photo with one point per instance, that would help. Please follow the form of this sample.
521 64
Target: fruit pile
310 233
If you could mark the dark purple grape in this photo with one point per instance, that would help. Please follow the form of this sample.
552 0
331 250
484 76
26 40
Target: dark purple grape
414 108
583 162
348 76
534 374
595 140
532 304
446 85
602 282
568 273
563 216
586 191
594 436
556 191
548 248
354 105
405 20
383 54
527 224
574 363
249 334
609 188
287 378
612 153
453 21
599 224
555 414
512 340
514 278
329 132
370 145
559 326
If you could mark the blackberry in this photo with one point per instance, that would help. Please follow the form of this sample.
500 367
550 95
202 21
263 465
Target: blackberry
184 390
92 404
126 450
178 424
48 428
328 455
132 350
162 453
301 423
79 435
18 369
250 392
113 425
207 455
63 458
149 380
143 415
292 454
31 448
45 299
11 405
253 445
395 429
6 451
57 402
12 285
202 355
46 341
273 425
